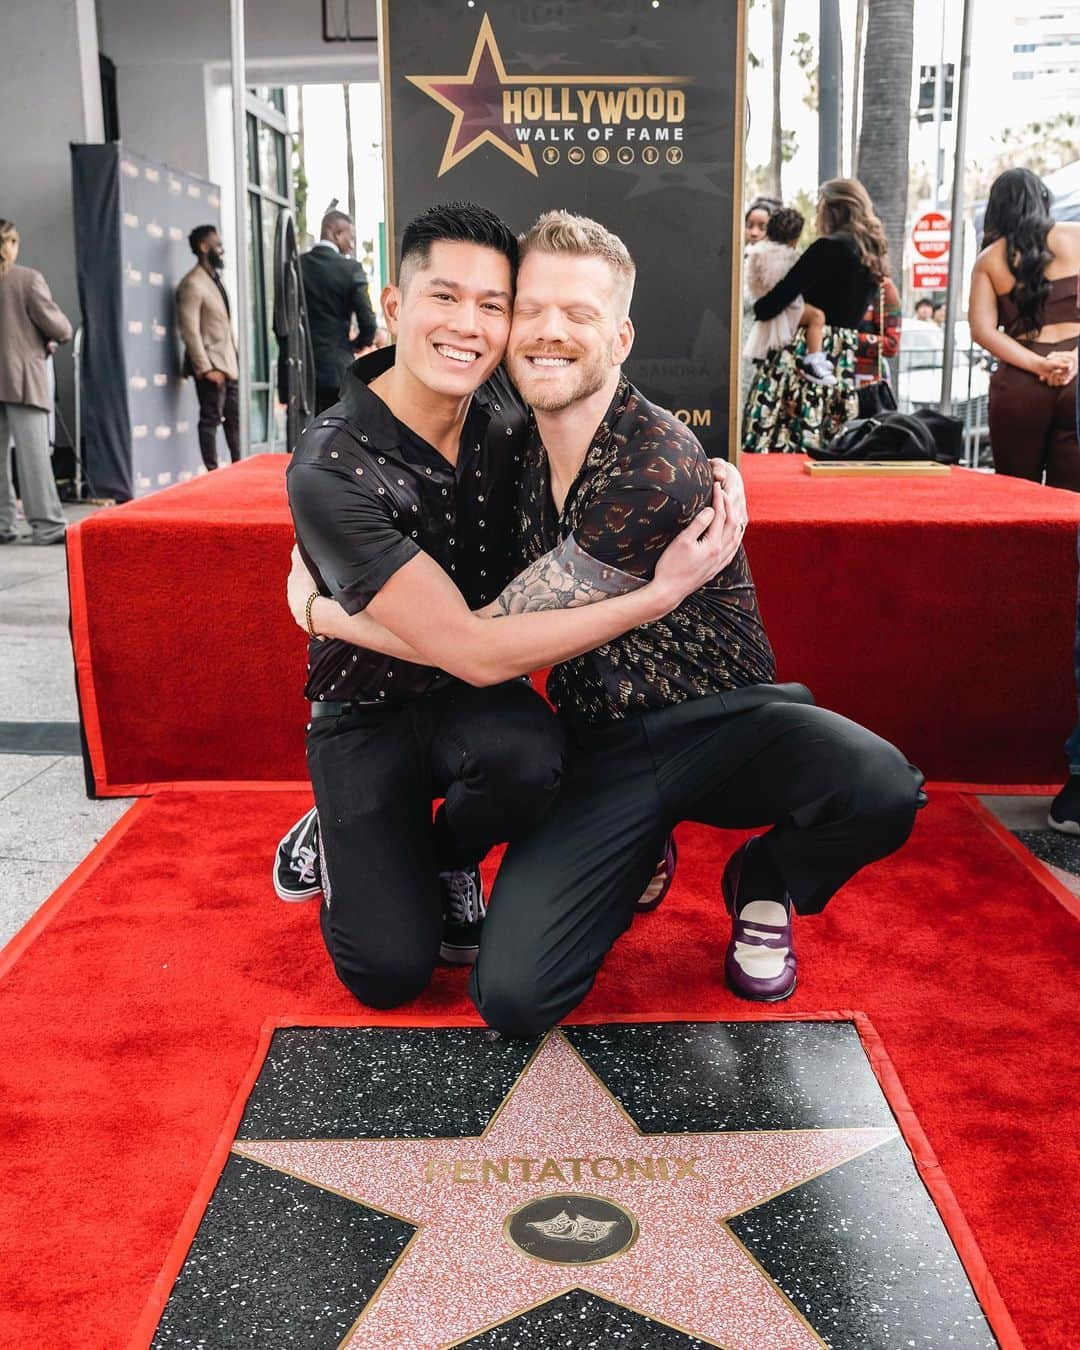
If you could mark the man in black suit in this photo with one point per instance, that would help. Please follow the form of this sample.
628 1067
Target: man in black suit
336 288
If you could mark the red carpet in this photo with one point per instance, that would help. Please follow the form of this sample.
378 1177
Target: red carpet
938 613
132 1007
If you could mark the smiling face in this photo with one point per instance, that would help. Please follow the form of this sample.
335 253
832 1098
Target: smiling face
451 316
570 329
756 221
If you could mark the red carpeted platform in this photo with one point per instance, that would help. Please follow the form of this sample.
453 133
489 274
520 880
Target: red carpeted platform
131 1010
940 613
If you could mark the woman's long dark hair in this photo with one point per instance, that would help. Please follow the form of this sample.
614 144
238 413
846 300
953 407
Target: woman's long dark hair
1018 211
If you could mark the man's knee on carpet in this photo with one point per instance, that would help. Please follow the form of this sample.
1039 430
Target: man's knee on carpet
387 983
515 997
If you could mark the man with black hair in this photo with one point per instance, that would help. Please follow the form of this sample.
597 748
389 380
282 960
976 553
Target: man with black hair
202 307
403 496
336 291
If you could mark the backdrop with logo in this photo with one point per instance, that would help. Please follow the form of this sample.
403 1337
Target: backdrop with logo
132 220
617 109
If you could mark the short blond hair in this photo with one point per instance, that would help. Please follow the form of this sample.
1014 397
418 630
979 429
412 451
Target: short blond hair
563 232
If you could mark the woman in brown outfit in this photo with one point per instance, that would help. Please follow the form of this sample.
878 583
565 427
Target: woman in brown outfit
1025 310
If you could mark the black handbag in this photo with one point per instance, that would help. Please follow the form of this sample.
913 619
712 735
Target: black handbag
925 434
878 397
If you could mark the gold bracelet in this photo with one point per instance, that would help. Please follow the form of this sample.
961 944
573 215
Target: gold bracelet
307 613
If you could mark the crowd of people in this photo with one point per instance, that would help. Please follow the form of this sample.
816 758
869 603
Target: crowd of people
823 324
825 321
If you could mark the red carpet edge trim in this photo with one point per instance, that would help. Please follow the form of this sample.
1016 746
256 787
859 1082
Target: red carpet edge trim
1038 869
935 1181
84 664
926 1163
48 910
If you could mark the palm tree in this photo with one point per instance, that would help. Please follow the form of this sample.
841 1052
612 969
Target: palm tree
886 117
350 167
860 24
776 158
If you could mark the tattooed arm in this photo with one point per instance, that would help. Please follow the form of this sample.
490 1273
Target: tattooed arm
562 579
421 606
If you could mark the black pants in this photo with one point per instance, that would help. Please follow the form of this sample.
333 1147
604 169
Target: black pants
1033 431
494 754
219 405
837 797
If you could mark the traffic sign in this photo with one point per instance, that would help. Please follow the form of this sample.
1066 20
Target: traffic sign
930 235
929 276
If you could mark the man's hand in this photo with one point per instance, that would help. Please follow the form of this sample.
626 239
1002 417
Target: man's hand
699 552
731 480
299 586
215 376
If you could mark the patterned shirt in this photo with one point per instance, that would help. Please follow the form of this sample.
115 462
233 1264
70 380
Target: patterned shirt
645 477
879 333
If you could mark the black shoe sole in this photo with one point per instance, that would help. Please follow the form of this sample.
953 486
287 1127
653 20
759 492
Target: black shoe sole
458 956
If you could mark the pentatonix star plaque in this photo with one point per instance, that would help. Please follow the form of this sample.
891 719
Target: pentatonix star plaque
593 1205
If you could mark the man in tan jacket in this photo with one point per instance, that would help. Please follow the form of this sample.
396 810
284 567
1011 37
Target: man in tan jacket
202 307
31 324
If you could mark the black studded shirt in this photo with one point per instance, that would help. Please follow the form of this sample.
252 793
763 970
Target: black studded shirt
367 494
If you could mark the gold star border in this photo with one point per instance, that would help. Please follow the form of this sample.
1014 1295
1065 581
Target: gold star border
522 153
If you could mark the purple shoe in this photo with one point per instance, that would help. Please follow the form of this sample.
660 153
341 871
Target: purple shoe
760 961
662 878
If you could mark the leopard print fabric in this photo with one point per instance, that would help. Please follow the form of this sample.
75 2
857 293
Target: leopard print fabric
645 476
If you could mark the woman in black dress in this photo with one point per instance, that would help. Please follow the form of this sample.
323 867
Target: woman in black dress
840 272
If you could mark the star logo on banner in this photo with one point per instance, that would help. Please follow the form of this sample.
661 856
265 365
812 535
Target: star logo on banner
562 1191
475 99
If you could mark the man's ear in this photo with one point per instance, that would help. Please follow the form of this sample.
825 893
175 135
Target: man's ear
391 306
624 340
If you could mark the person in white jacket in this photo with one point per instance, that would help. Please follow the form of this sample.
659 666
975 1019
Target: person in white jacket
767 262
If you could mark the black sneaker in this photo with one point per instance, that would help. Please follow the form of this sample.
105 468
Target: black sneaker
297 875
463 915
1064 813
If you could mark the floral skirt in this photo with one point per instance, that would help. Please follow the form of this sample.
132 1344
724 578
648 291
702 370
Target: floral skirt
787 413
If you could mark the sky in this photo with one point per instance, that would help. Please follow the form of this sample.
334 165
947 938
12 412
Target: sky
989 114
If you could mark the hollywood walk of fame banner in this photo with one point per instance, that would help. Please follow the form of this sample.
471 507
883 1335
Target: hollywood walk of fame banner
609 108
670 1186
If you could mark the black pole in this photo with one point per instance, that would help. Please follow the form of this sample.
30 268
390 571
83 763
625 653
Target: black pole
830 74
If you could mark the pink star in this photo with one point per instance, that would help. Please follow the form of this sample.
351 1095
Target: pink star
559 1131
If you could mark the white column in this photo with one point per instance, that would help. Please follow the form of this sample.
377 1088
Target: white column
243 299
52 97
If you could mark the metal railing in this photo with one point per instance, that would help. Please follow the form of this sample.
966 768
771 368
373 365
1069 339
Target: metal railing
919 377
